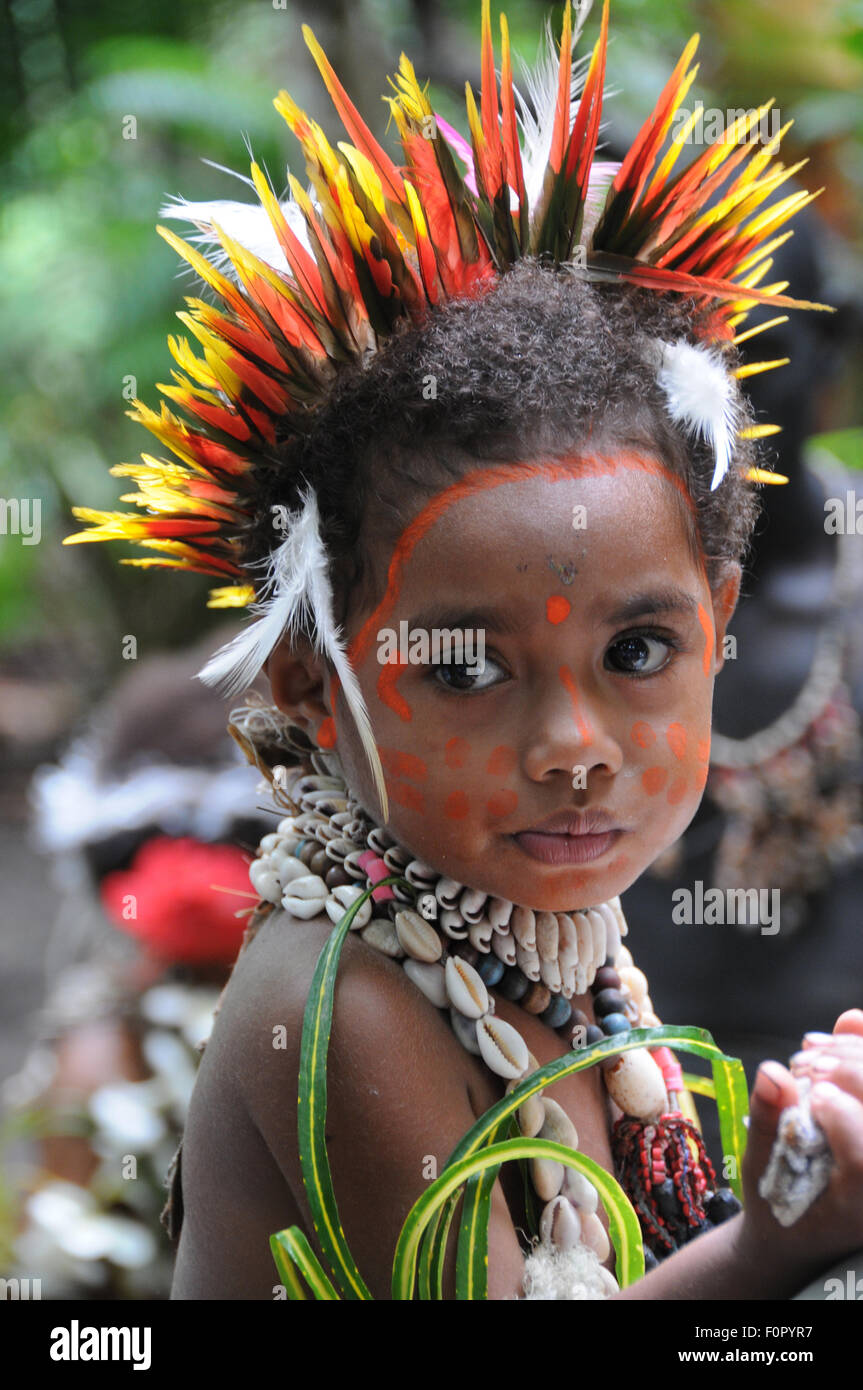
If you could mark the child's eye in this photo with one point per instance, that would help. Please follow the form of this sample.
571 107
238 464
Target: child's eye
640 653
462 676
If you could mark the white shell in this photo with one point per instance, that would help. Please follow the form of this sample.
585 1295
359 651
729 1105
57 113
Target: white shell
306 896
396 858
288 826
264 881
270 842
453 924
430 979
499 912
503 1049
636 1084
612 931
580 1190
624 957
597 927
447 892
550 974
419 874
523 924
288 866
547 936
381 934
504 948
567 979
379 840
527 961
617 909
471 904
557 1125
418 937
547 1177
342 898
584 936
593 1233
530 1115
608 1280
567 941
465 1031
466 990
635 981
560 1224
480 934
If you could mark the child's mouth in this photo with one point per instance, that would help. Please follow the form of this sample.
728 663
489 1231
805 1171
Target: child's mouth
566 849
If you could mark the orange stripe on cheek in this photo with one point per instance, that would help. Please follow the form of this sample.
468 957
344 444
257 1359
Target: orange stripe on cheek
405 795
676 791
455 752
387 693
584 729
501 761
456 806
653 779
403 764
643 734
501 803
675 737
557 608
707 625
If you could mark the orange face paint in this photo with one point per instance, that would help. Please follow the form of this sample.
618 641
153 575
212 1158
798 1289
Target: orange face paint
501 761
557 608
501 803
456 752
653 779
456 806
707 625
387 692
403 764
643 734
675 737
584 729
326 735
702 749
403 794
676 791
701 775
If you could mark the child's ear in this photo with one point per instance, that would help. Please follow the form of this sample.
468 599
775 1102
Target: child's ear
725 595
296 674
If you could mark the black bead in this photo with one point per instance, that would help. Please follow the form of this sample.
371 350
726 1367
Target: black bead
614 1023
722 1205
490 970
666 1201
608 1001
513 985
592 1034
557 1013
606 978
580 1017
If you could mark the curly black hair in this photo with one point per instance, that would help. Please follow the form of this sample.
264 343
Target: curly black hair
543 363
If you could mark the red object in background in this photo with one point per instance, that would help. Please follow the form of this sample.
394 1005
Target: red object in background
166 899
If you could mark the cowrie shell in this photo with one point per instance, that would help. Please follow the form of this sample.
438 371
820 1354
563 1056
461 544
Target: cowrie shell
345 896
447 892
264 881
305 897
338 849
584 935
417 937
453 924
419 874
635 1083
351 866
381 934
527 962
523 924
547 1177
503 1049
288 867
560 1224
499 912
567 941
288 826
504 947
480 934
471 904
580 1190
635 981
567 981
465 1031
379 840
593 1234
617 909
546 936
270 842
430 979
612 931
395 858
466 990
549 971
624 957
597 927
557 1125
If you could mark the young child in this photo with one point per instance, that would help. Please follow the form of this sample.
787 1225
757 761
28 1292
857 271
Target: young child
553 465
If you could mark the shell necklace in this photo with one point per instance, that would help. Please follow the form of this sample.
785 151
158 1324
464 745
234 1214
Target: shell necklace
455 943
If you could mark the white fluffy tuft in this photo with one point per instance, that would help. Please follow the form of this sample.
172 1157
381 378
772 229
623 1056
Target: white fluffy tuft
297 589
574 1275
246 223
701 396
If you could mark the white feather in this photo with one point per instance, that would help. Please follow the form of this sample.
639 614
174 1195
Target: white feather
541 87
247 223
296 590
701 396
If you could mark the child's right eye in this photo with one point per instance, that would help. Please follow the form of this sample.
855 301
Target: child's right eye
464 677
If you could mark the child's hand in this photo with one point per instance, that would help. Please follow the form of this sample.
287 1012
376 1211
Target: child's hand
833 1225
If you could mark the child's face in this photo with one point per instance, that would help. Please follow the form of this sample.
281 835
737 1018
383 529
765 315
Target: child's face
601 645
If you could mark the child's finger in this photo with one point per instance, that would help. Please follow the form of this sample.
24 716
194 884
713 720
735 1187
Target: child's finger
774 1089
842 1070
851 1022
840 1115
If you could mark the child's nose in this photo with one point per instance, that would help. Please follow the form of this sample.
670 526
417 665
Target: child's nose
569 731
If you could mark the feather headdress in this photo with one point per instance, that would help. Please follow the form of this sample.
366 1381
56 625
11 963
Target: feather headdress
322 278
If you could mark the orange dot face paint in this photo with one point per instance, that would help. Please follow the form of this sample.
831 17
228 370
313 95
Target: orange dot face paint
456 806
642 733
653 779
502 804
677 791
675 737
456 752
502 761
557 608
403 794
403 764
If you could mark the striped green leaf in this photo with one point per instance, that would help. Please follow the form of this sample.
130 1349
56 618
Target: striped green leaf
292 1253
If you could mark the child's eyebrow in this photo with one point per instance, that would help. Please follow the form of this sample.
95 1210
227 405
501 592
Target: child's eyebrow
668 599
491 618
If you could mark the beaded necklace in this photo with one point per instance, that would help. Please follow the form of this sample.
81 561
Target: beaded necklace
456 943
